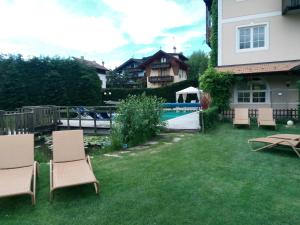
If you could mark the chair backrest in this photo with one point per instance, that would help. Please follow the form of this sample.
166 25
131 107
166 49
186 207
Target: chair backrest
16 151
241 113
265 114
68 146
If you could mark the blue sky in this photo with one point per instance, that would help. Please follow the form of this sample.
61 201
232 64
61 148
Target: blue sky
101 30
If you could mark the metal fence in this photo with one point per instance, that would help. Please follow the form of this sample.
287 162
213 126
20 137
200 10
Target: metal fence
278 114
284 99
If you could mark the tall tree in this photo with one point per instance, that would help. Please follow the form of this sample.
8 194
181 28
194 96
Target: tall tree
198 63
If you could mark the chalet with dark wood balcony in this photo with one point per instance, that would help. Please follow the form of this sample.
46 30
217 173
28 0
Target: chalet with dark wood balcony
135 74
165 68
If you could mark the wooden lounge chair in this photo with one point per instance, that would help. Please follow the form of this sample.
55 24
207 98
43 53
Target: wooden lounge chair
17 166
265 117
241 117
272 142
293 137
70 166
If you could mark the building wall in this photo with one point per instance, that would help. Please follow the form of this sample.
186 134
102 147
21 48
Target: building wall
103 79
283 92
238 8
170 72
284 31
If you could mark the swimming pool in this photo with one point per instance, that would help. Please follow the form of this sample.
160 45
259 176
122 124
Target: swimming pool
172 114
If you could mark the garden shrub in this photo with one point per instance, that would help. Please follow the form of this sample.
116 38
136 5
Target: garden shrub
218 85
209 118
205 100
213 61
167 92
137 120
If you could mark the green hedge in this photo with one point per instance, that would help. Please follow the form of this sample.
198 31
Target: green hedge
46 81
167 92
210 118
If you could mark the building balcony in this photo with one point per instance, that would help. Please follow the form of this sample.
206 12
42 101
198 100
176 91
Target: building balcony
160 65
290 7
132 70
161 79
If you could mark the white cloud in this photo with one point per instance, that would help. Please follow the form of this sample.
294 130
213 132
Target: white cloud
30 24
180 41
46 27
146 50
143 21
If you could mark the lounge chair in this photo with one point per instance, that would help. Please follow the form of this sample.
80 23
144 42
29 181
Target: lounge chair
17 166
293 137
265 117
273 141
241 117
70 166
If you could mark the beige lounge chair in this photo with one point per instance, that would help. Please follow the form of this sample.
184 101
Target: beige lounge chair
241 117
265 117
70 166
272 142
17 166
293 137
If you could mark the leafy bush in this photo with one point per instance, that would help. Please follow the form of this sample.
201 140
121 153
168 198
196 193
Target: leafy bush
218 85
137 120
213 61
205 100
46 81
198 63
167 92
209 118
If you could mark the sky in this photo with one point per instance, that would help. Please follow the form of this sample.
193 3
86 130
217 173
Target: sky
102 30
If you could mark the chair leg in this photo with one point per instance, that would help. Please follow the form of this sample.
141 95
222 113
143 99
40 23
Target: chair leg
51 196
296 151
32 199
51 182
97 187
262 148
33 183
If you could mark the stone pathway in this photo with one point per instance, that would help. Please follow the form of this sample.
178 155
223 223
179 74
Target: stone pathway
162 139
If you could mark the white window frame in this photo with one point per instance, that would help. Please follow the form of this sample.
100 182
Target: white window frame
251 26
267 91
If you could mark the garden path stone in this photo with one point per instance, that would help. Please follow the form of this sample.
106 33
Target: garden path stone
113 155
176 139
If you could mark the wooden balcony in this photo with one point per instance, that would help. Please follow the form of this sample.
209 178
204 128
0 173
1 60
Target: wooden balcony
290 7
160 65
161 79
132 70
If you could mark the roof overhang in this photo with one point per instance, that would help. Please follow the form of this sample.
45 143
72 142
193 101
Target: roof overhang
159 54
257 68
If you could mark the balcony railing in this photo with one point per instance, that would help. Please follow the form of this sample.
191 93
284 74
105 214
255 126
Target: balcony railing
160 65
161 79
131 70
290 6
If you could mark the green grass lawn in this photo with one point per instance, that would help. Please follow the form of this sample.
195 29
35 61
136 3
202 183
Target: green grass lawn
202 179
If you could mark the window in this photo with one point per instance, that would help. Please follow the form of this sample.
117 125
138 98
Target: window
164 72
252 92
163 60
252 37
181 74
